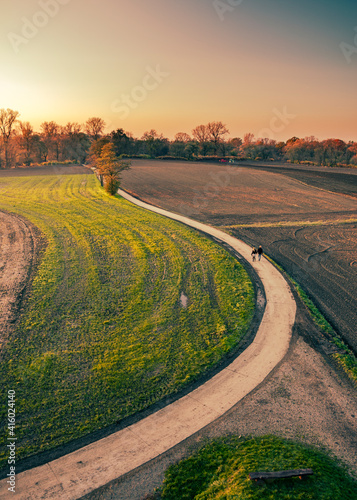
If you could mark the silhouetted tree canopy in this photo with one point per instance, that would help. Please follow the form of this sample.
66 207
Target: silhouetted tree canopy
20 144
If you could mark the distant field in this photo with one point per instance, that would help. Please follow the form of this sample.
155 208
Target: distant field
226 195
321 257
103 333
335 179
45 170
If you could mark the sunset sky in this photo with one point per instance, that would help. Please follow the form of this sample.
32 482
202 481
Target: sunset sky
276 68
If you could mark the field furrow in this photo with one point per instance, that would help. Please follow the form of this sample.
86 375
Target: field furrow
103 333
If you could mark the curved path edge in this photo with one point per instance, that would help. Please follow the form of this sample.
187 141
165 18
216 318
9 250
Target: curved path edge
87 469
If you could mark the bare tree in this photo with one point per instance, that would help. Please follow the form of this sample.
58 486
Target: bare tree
217 131
51 138
179 144
74 143
94 127
156 144
151 135
248 139
8 119
26 140
40 150
72 128
201 134
182 137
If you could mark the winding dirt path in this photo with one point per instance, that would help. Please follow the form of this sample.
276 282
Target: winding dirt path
16 258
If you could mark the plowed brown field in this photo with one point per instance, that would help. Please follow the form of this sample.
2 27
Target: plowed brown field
18 249
321 257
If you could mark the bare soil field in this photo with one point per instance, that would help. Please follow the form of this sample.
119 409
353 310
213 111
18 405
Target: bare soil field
19 246
322 257
338 180
323 260
225 195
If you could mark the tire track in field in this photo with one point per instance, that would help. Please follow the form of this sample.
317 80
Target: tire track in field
322 259
16 258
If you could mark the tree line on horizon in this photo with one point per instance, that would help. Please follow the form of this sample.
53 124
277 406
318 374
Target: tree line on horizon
21 145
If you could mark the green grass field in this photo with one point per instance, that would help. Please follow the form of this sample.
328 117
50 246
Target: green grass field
220 471
103 334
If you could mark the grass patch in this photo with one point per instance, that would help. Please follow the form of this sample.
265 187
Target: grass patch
292 223
345 357
103 334
220 470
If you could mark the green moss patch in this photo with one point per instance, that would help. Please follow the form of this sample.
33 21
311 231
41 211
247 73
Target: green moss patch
220 470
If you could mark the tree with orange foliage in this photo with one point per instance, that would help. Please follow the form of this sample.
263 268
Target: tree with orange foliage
352 149
110 168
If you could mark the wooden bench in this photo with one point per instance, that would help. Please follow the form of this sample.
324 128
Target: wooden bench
262 476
